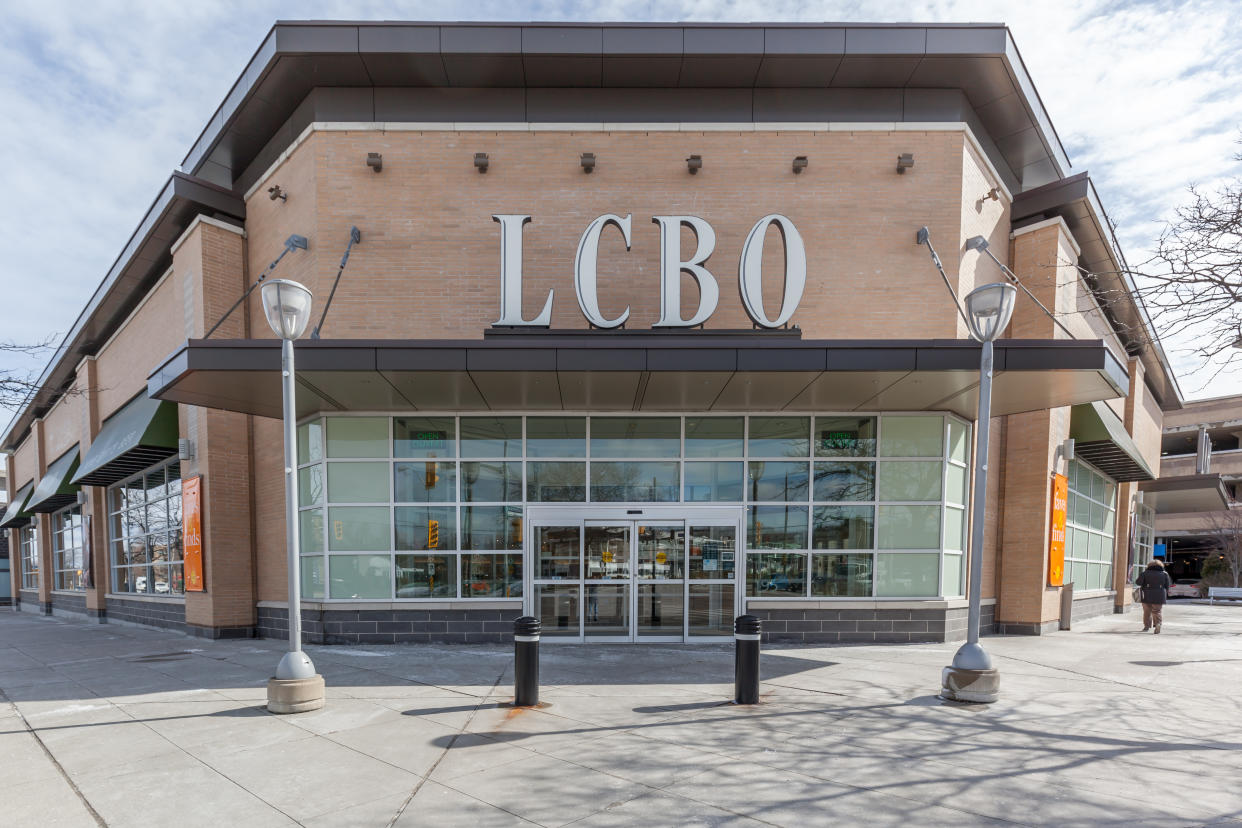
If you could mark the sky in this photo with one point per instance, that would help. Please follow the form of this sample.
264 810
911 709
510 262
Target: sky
102 100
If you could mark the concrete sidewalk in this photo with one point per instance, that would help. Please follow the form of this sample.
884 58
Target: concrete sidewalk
117 725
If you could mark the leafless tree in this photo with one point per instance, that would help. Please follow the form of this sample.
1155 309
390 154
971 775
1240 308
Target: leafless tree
1224 566
18 386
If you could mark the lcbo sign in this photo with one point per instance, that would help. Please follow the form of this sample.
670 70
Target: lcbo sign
586 277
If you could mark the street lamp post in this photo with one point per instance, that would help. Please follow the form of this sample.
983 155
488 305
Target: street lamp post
971 677
296 687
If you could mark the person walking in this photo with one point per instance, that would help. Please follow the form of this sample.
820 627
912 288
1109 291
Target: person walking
1154 584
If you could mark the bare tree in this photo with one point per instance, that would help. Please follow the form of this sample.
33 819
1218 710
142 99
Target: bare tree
1224 566
18 386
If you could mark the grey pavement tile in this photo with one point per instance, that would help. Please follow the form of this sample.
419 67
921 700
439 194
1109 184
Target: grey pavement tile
662 809
45 803
344 714
378 814
650 762
216 726
445 807
411 744
472 753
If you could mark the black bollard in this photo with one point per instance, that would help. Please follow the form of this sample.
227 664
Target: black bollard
526 662
746 631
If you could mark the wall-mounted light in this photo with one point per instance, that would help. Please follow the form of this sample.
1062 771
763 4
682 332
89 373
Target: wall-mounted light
993 194
274 192
375 161
799 164
694 163
480 161
588 162
905 161
185 449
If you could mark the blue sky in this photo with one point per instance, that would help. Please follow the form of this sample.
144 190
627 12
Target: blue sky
102 101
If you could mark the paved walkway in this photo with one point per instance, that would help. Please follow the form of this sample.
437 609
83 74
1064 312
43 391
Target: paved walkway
123 726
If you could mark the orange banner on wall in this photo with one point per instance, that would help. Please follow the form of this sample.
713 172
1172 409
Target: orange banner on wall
1056 549
192 533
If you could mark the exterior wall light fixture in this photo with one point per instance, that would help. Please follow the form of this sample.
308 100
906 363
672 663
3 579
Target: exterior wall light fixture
480 161
588 162
375 161
274 192
296 686
905 161
799 164
694 163
971 677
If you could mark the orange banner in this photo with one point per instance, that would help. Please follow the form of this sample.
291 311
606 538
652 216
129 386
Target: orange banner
1056 549
192 533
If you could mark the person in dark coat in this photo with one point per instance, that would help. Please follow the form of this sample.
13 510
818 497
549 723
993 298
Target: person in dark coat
1155 583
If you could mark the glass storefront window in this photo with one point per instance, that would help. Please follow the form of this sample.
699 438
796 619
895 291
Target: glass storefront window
846 480
1090 528
491 528
310 442
624 437
910 480
426 527
358 482
634 482
713 552
68 549
491 576
843 527
914 574
779 436
144 532
360 576
491 437
356 437
777 481
911 436
837 576
426 576
556 437
495 482
359 529
709 482
550 482
428 481
424 438
903 526
30 557
777 527
845 436
711 610
714 436
774 574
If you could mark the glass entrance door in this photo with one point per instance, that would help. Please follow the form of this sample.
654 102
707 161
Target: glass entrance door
659 579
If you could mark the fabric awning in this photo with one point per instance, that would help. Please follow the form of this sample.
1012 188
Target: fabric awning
56 489
1101 439
16 515
141 434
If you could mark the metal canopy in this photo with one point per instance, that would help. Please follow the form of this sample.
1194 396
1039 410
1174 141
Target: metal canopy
638 372
16 515
1101 439
56 490
140 435
1187 493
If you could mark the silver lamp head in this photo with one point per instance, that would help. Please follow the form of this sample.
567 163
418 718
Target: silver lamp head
988 310
287 305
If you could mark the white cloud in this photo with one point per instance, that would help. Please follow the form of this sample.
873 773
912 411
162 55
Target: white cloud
102 101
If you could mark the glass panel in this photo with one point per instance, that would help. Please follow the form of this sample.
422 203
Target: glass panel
848 480
137 551
955 484
777 527
714 436
557 605
491 436
907 575
661 551
959 442
310 531
359 529
838 576
954 572
358 482
310 485
124 580
357 436
607 551
310 442
555 482
769 480
423 437
1078 569
661 609
843 527
491 576
713 482
491 527
1109 517
781 575
635 437
713 551
1078 543
426 527
711 609
426 576
556 437
911 436
845 436
779 436
1095 548
1097 517
954 528
909 527
1082 510
634 482
312 577
360 576
558 552
919 480
491 482
607 609
430 481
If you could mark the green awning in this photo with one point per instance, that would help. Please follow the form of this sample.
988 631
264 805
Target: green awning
140 435
56 489
16 515
1101 439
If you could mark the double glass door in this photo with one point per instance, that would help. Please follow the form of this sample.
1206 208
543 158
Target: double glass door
655 579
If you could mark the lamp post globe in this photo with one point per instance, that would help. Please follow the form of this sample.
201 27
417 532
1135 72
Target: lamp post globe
971 677
296 687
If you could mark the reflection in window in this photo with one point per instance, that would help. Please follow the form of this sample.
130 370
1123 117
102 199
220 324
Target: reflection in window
777 527
845 480
843 527
714 481
779 436
426 576
144 532
779 575
841 576
845 436
634 482
772 480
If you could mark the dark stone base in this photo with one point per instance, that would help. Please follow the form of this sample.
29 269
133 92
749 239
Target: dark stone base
166 614
1084 608
868 626
412 626
62 603
216 633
